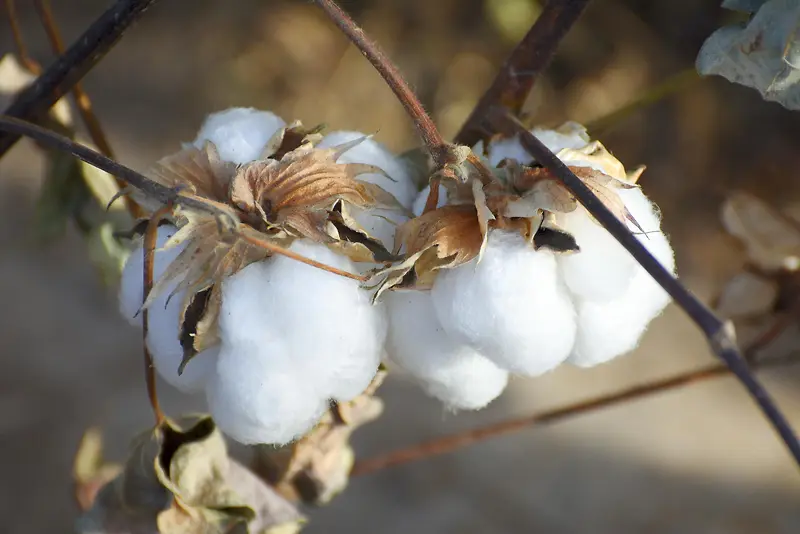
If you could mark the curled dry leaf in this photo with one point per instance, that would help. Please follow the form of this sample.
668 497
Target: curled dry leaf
179 479
747 295
443 238
771 239
763 54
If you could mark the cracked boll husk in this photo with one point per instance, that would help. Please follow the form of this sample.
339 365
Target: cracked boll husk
612 328
602 269
510 306
327 322
398 184
422 198
163 318
511 148
240 134
449 371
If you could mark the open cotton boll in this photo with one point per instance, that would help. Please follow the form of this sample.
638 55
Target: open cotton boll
511 148
256 396
602 269
327 322
449 371
240 134
609 329
510 306
400 185
163 318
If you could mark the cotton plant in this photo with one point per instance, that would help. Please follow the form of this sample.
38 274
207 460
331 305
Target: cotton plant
270 340
509 274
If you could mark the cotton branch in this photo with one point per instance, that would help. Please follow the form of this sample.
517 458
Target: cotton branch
719 335
52 140
35 100
149 251
164 195
82 100
425 126
532 55
19 42
447 444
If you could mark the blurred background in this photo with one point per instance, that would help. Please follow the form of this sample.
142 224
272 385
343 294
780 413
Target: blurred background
696 460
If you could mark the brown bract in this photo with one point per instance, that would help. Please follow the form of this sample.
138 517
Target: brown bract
294 191
512 197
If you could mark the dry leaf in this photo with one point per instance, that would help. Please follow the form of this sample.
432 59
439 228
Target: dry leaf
771 239
747 295
179 480
764 54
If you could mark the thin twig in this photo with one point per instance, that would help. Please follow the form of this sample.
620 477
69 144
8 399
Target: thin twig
718 334
35 100
295 256
452 442
22 51
533 54
149 249
154 190
82 100
430 135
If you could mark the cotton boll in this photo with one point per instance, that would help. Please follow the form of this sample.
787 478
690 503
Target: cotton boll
449 371
256 395
240 134
556 141
327 322
400 185
609 329
602 269
163 318
510 306
332 320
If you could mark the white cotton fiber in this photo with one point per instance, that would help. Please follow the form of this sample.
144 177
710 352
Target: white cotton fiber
327 323
447 370
163 319
602 269
240 134
400 185
256 394
575 137
510 306
609 329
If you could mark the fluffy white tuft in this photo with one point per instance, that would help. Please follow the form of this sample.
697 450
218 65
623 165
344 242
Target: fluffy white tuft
327 323
447 370
602 269
510 306
398 184
240 134
163 318
256 394
574 137
609 329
